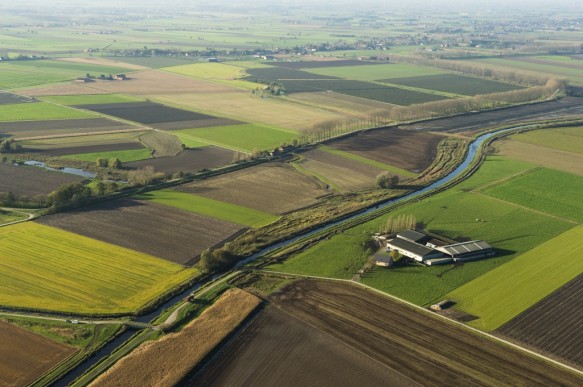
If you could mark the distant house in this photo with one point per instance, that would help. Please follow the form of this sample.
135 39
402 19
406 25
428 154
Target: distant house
213 60
384 260
120 77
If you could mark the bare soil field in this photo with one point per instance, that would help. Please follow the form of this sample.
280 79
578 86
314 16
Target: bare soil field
322 63
345 174
10 98
103 62
24 355
406 149
29 181
275 188
69 88
279 350
162 231
162 143
474 122
541 155
78 149
341 103
421 347
27 129
167 361
189 160
553 326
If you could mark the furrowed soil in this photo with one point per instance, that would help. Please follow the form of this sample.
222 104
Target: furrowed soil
275 188
29 181
167 361
24 356
28 129
409 150
552 326
98 148
165 232
189 160
422 347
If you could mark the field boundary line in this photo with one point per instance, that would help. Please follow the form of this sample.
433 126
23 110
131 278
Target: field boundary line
446 319
480 188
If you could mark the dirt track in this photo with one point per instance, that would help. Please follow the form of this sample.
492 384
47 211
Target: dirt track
423 348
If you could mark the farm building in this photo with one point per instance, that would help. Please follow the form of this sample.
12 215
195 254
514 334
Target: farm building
413 250
468 250
412 236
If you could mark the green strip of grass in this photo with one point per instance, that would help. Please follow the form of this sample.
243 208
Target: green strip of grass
125 156
39 111
209 207
91 99
364 160
503 293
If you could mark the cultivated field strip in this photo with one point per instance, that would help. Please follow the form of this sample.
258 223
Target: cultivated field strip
30 181
189 160
554 325
428 350
46 128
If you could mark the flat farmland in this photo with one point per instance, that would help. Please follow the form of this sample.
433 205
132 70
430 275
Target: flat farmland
553 325
503 293
28 129
111 62
189 160
569 139
368 90
273 188
340 172
10 98
45 268
39 111
129 154
341 103
373 72
554 68
245 106
61 146
313 64
30 181
453 83
428 351
412 151
277 349
268 74
89 99
24 356
162 231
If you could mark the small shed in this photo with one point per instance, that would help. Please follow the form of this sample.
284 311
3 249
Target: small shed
441 305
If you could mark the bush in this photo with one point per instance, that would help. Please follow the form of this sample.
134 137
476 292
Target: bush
386 180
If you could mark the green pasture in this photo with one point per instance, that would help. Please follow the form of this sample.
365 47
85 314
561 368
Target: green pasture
124 156
54 270
209 207
374 72
546 190
364 160
568 139
11 216
503 293
574 75
151 61
90 99
75 69
208 71
38 111
245 137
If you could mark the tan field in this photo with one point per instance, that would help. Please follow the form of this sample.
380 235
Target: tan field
68 88
341 103
245 106
167 361
540 155
104 62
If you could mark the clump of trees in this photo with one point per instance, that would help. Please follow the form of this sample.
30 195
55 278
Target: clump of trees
144 176
216 259
399 223
75 194
387 180
9 145
113 163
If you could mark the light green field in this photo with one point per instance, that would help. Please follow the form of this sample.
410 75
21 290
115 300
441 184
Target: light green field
210 71
39 111
245 137
569 139
90 99
190 142
73 69
364 160
11 216
124 156
209 207
49 269
574 75
546 190
374 72
503 293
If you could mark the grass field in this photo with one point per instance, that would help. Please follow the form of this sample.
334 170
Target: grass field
573 74
546 190
49 269
209 207
211 71
90 99
123 155
11 216
367 161
243 137
568 139
503 293
39 111
74 69
374 72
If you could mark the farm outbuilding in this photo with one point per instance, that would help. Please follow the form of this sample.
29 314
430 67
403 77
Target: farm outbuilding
413 250
468 250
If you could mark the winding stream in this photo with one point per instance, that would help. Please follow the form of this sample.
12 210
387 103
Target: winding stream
114 344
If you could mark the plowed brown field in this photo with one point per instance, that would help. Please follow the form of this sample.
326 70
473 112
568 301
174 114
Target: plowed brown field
24 356
553 326
165 232
26 129
189 160
23 180
419 346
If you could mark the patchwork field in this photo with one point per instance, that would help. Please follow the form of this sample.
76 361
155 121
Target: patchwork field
80 144
305 64
408 150
30 181
39 111
553 325
111 62
374 72
89 99
24 356
29 129
555 68
10 99
272 188
243 137
503 293
210 207
49 269
339 172
453 83
341 103
269 74
162 231
428 351
189 160
569 139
